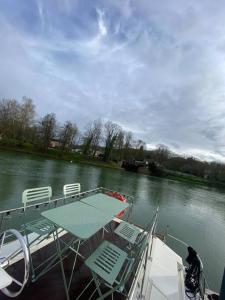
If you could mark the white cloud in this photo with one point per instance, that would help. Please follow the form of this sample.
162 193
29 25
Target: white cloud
156 68
101 23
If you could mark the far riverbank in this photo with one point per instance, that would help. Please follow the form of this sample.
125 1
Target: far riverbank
79 158
64 156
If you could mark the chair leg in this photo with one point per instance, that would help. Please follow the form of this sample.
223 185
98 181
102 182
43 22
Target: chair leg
85 289
97 283
110 227
103 231
92 294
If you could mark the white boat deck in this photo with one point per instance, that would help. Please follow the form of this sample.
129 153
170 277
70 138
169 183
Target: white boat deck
164 275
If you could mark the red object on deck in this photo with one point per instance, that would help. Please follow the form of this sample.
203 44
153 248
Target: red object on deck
120 198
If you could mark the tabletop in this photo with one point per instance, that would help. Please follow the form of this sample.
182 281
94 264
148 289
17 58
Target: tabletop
105 203
78 218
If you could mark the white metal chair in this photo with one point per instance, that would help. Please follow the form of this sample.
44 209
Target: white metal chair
113 267
128 232
132 233
41 226
70 190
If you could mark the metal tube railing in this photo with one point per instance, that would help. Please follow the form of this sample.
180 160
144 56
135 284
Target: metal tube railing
147 256
6 215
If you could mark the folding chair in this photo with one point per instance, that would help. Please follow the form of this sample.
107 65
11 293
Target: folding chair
41 226
113 267
132 233
128 232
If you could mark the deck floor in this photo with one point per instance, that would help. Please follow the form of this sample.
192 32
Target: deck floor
51 286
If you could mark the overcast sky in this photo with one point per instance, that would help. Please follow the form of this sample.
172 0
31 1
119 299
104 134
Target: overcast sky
157 68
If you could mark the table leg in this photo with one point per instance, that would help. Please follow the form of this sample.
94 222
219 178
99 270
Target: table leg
74 263
61 265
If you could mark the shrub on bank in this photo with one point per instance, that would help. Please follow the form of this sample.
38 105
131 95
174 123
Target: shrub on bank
10 142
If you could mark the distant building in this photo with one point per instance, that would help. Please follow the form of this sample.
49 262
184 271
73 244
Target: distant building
99 154
77 150
55 144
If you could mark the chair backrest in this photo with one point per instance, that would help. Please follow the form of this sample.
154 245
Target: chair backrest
71 189
33 195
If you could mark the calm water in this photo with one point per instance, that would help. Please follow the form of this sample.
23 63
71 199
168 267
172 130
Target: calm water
195 215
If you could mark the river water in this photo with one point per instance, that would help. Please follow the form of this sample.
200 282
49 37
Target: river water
195 215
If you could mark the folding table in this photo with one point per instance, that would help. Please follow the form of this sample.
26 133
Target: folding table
83 220
105 203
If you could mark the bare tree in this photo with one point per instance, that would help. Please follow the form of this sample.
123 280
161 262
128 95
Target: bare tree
120 144
92 137
9 118
16 119
67 135
138 143
26 117
139 146
112 131
128 144
47 130
161 154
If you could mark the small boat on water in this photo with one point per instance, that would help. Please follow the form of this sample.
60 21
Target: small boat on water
84 246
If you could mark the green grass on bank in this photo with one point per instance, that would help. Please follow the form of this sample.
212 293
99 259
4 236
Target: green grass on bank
191 179
27 148
59 155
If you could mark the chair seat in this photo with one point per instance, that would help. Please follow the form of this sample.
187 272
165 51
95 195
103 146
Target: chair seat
107 261
40 226
128 232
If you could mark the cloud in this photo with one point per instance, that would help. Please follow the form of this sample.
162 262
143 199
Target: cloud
155 68
101 24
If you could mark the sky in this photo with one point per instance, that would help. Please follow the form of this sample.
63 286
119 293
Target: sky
157 68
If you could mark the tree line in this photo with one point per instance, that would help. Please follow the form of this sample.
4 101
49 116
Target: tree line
162 159
107 141
19 124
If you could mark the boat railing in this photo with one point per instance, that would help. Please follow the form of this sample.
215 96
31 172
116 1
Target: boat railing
203 283
13 218
147 255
